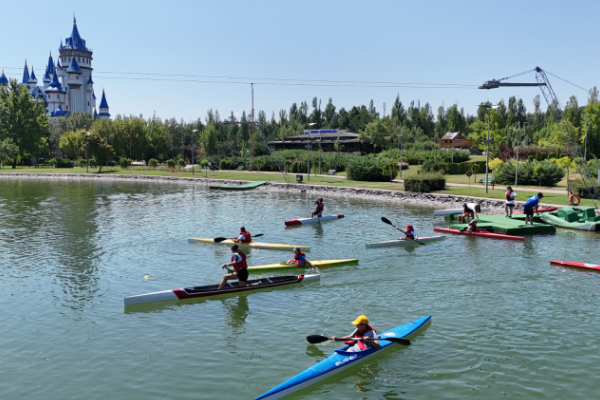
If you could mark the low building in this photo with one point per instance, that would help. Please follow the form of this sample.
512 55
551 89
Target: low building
325 137
454 140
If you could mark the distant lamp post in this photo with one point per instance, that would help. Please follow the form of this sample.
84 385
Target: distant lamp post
87 161
487 142
192 148
309 148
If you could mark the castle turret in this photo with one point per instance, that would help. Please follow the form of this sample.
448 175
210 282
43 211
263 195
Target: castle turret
103 114
32 78
25 80
74 79
55 97
49 71
3 79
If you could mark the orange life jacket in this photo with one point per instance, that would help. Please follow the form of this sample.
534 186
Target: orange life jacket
358 334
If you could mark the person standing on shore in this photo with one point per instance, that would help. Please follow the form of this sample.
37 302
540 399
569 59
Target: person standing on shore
319 209
510 201
238 261
530 205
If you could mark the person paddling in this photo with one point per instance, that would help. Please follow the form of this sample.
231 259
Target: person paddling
530 205
299 259
410 233
510 201
245 236
238 261
319 209
365 332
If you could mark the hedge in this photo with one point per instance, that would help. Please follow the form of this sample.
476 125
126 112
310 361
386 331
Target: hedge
367 168
463 167
552 173
425 183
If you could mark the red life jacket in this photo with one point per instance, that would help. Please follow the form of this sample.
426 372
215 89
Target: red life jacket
319 209
248 237
300 262
410 234
240 264
358 334
508 198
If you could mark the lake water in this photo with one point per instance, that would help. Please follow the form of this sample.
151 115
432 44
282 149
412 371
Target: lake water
505 324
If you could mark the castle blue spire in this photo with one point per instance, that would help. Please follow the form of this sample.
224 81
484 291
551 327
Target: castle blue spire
32 77
3 79
50 67
58 63
25 74
55 82
75 41
103 102
90 80
74 67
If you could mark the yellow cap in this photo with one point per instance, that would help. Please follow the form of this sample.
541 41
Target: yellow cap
361 320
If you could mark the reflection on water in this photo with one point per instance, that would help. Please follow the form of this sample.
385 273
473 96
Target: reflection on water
314 351
236 310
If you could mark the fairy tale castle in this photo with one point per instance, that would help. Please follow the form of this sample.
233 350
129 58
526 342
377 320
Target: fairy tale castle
67 85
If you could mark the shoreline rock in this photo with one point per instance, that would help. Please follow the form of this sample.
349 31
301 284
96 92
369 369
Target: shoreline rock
422 199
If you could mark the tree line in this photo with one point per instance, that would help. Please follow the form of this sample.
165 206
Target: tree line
26 134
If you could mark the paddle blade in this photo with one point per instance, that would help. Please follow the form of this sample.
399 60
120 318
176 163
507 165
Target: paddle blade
219 240
405 342
387 221
314 339
259 235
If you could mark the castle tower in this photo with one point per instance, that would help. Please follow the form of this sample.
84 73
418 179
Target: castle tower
32 79
25 79
3 79
49 72
76 76
103 114
56 97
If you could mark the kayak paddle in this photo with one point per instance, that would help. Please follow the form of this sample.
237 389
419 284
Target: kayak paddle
387 221
314 339
222 239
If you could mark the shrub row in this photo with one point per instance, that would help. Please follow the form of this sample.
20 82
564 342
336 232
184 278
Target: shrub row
544 173
425 183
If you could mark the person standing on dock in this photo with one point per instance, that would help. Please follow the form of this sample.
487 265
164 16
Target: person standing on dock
319 209
365 332
531 205
238 261
510 201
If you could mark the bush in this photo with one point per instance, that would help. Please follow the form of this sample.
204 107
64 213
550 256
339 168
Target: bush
226 163
153 163
64 163
93 163
53 162
433 165
583 190
549 174
124 162
539 156
170 164
181 163
424 183
593 166
367 168
81 163
462 168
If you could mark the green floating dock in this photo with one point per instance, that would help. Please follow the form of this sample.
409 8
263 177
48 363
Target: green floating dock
509 226
247 186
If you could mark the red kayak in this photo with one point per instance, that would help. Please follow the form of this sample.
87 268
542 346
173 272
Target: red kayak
480 233
541 210
576 265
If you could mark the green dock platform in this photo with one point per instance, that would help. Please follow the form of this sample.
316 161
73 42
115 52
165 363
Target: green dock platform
509 226
247 186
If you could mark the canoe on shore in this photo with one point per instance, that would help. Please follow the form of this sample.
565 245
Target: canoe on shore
454 211
316 220
258 245
196 292
480 234
282 266
594 267
341 360
407 242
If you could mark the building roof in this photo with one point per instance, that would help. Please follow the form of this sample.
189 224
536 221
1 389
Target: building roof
32 76
55 85
74 67
90 80
59 112
325 137
50 66
25 74
93 95
3 79
75 41
452 136
103 103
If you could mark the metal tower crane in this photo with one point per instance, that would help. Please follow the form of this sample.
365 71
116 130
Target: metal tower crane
544 84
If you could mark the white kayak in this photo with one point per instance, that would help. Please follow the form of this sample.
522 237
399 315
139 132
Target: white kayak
455 211
316 220
406 242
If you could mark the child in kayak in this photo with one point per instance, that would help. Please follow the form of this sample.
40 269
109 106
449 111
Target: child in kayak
238 261
299 259
410 233
319 209
365 332
245 236
472 226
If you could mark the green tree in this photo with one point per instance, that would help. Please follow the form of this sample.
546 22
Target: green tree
99 149
8 151
567 163
71 144
23 119
375 133
208 140
495 164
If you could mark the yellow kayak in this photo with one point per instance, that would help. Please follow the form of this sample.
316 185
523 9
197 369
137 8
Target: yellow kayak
257 245
282 266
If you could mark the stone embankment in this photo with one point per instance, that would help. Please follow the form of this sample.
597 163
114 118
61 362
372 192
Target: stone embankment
421 199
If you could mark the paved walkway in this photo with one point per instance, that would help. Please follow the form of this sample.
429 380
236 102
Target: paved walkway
515 188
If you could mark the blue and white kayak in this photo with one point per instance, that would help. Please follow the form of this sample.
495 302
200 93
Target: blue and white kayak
341 360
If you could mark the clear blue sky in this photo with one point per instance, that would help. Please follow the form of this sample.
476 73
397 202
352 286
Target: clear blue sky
442 42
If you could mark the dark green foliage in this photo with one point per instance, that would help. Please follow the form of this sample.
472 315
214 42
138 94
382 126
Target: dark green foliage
425 183
593 166
433 165
582 189
64 163
171 163
462 168
367 168
124 162
552 173
53 162
539 156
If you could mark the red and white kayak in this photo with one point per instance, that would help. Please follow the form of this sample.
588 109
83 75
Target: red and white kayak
573 264
541 210
211 290
480 233
317 220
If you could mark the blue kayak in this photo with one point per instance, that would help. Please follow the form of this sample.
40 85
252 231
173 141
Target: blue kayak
341 360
